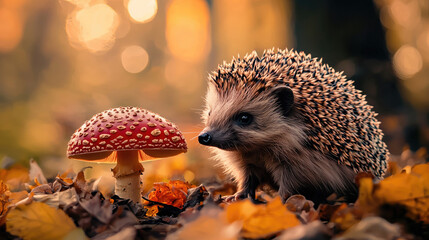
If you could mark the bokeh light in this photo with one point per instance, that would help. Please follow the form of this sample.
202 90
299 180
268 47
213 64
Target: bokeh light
142 11
405 13
134 59
179 75
423 41
93 27
79 3
407 61
188 29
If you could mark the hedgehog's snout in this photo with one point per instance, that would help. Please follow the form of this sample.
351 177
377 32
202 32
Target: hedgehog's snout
217 138
205 138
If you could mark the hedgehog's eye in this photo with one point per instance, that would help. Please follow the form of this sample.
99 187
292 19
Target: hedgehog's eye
243 119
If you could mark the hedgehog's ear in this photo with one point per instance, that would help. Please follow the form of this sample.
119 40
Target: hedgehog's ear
284 97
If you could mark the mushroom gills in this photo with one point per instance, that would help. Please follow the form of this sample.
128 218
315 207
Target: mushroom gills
161 153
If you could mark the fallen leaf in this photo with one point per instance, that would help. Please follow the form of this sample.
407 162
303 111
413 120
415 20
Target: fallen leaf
366 200
371 228
15 197
58 199
135 208
151 210
409 188
211 224
39 221
102 210
36 172
96 216
346 216
314 230
261 220
15 177
4 202
196 196
302 207
126 233
77 234
173 193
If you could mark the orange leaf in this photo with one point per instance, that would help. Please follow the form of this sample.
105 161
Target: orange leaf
14 177
4 202
172 193
261 221
409 188
151 210
346 216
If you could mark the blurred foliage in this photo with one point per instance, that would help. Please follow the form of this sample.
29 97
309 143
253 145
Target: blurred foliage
63 61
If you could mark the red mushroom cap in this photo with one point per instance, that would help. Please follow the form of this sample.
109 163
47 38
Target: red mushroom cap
126 128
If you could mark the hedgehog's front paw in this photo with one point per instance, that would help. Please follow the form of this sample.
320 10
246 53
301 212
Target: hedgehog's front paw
237 196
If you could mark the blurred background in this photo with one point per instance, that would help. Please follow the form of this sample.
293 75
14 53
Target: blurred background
62 61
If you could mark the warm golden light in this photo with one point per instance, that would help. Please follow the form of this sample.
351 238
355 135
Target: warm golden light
241 27
405 13
142 10
134 59
188 29
407 61
182 76
188 175
10 29
93 27
79 3
47 133
423 41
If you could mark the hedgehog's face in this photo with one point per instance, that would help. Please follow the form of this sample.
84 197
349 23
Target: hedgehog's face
240 121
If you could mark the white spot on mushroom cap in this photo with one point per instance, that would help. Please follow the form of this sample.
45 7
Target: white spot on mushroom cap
155 132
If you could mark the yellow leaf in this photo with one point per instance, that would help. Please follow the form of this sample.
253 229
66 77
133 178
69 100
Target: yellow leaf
39 221
76 234
365 200
409 188
261 220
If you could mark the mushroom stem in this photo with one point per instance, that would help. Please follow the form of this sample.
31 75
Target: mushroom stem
128 187
127 173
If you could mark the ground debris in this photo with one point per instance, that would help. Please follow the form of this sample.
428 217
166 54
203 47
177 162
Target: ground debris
396 207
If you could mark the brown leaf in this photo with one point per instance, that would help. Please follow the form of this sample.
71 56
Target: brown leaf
102 210
196 196
36 172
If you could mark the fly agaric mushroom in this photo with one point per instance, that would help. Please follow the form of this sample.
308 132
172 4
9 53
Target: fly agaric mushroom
126 135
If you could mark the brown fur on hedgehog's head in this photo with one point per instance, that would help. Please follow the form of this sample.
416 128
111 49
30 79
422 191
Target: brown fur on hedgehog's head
242 121
292 101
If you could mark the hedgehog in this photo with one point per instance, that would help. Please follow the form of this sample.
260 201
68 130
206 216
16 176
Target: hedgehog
290 122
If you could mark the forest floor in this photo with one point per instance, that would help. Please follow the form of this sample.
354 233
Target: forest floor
71 207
